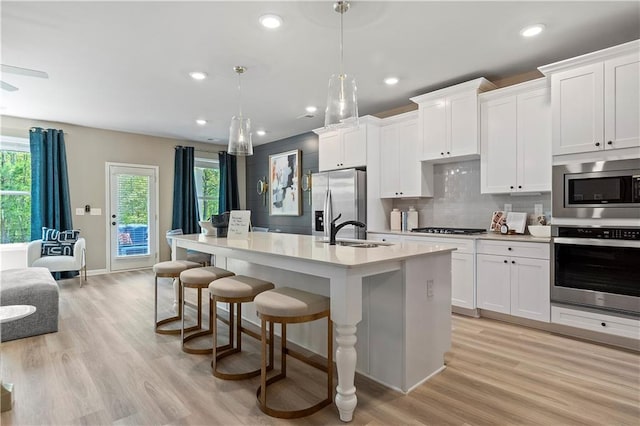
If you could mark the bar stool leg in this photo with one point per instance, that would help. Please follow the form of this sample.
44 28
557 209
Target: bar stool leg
263 368
165 320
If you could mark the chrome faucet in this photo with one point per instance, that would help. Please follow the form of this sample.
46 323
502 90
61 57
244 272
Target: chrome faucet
335 228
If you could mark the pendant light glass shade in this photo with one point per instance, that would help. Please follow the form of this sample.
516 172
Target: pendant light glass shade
240 128
342 102
342 98
240 136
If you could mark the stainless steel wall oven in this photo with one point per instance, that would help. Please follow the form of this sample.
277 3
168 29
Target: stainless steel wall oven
597 267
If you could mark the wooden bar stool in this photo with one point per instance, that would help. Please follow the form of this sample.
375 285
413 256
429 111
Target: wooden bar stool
199 278
286 305
235 291
169 269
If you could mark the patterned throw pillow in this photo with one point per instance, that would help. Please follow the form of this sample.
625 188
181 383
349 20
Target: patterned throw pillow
56 243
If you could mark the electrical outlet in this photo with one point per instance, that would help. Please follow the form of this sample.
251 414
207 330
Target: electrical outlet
429 289
507 208
537 209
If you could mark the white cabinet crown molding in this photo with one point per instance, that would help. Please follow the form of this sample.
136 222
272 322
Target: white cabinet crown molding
516 89
632 47
480 84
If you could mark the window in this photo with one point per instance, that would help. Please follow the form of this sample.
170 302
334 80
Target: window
15 190
207 174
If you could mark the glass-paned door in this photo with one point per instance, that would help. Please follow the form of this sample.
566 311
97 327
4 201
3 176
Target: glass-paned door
132 216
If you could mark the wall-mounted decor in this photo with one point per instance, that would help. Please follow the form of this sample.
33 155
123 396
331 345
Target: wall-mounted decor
284 184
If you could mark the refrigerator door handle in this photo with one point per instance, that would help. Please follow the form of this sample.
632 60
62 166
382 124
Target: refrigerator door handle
328 213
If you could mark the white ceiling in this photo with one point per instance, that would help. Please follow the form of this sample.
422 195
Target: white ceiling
124 65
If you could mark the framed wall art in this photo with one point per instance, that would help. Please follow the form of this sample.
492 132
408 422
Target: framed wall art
284 184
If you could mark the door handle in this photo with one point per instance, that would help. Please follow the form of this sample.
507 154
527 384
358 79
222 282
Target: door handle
113 223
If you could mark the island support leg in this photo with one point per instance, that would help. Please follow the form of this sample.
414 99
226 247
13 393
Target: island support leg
346 313
346 357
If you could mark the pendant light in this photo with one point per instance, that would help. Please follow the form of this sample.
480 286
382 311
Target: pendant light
240 128
342 100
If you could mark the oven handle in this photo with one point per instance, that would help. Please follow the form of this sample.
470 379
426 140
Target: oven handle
596 242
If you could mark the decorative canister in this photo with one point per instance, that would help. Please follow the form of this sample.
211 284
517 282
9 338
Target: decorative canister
395 220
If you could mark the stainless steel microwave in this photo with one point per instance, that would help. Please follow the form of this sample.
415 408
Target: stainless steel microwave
602 189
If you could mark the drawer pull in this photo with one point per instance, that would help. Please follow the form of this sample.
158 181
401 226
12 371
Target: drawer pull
604 324
509 248
513 261
505 261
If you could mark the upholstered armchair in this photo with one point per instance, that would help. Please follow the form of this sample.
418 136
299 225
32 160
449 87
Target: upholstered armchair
77 262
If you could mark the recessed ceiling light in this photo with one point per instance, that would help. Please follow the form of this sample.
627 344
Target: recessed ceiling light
532 30
201 122
311 109
198 75
390 81
260 132
270 21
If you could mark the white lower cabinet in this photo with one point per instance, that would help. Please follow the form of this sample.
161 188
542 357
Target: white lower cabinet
514 285
619 326
463 271
462 281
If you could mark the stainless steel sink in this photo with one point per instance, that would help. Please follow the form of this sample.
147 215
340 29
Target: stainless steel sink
358 244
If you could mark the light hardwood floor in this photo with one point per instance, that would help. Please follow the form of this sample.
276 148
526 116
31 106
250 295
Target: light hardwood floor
107 366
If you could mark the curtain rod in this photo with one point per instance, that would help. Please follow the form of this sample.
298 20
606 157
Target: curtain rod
33 129
202 150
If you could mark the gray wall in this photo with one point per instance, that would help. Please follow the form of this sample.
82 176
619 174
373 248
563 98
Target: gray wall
257 168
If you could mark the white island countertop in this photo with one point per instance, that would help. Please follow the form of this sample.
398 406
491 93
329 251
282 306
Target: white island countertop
315 249
402 287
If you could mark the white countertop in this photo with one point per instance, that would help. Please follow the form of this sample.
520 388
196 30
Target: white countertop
487 236
313 248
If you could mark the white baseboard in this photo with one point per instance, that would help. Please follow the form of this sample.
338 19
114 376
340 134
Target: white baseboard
93 272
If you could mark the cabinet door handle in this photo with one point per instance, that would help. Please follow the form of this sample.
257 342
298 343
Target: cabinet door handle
597 143
509 248
448 153
610 143
604 324
513 261
511 187
519 186
505 261
442 153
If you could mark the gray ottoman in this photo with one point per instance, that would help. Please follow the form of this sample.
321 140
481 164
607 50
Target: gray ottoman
29 286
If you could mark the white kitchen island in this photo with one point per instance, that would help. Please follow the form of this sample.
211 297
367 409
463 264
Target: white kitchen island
401 293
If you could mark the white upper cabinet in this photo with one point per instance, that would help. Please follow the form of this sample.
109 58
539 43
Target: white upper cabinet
515 139
595 100
402 174
345 148
448 121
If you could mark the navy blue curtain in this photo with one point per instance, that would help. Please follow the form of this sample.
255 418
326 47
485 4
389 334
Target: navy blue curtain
185 204
228 196
50 201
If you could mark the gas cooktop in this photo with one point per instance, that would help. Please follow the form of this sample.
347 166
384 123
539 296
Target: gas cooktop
437 230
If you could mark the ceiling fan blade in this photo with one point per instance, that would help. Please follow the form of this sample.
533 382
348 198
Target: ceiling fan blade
24 71
8 87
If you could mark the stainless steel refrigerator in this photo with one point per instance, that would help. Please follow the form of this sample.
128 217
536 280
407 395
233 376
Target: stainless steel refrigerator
339 192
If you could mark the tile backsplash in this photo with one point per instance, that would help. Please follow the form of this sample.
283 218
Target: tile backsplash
457 200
